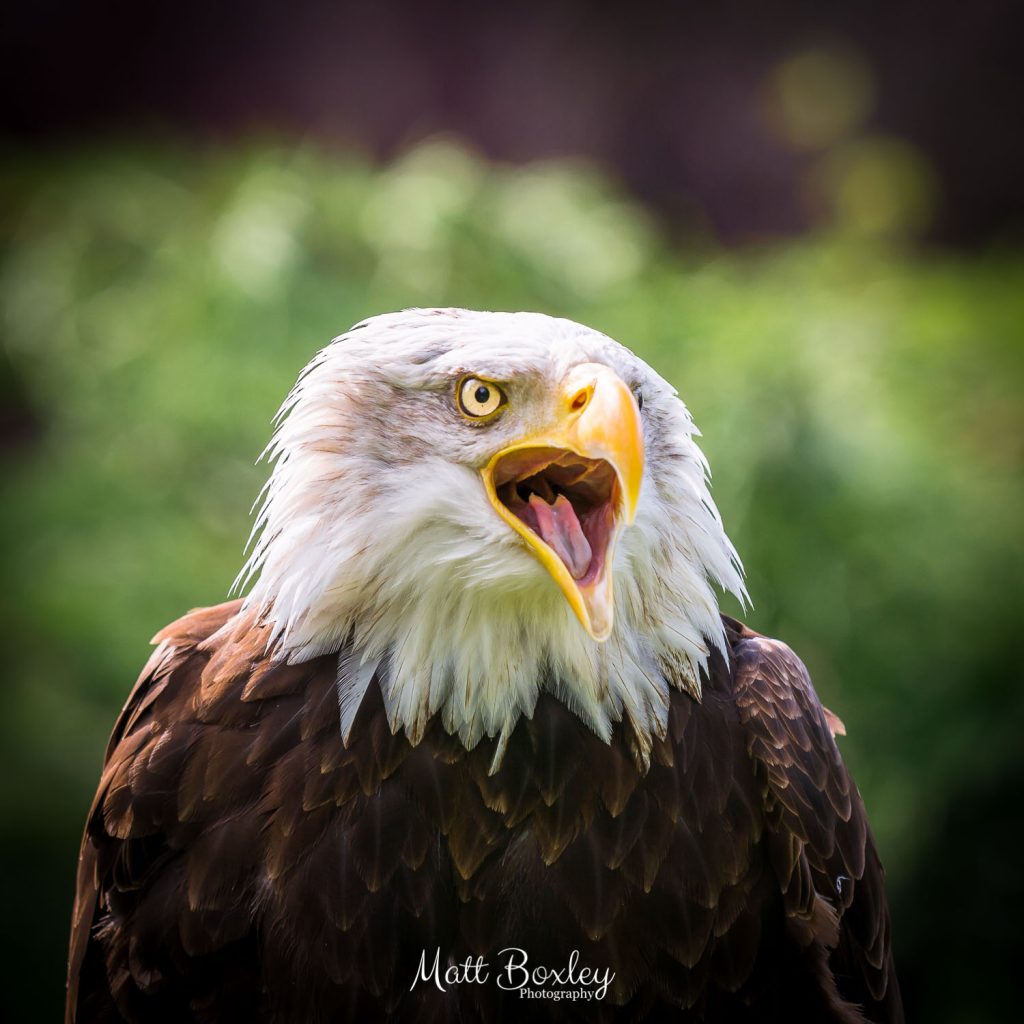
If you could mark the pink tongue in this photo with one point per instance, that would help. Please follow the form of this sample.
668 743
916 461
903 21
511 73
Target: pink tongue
560 529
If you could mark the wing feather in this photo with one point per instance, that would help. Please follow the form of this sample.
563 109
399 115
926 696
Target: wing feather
138 785
821 847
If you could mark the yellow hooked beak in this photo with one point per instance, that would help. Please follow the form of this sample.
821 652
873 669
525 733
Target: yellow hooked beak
570 488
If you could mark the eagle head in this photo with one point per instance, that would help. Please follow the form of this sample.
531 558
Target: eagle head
473 508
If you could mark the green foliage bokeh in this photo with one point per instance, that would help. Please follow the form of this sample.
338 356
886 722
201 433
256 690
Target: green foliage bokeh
860 402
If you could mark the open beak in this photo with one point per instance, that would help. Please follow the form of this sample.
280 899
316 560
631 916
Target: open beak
568 490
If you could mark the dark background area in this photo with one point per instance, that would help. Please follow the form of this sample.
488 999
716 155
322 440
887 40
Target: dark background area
811 220
660 91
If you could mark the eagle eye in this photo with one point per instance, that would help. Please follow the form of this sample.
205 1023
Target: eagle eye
479 398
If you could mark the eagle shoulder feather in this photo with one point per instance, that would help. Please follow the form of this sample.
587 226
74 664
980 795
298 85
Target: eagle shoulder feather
820 844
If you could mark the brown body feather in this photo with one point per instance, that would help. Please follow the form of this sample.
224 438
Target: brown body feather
241 864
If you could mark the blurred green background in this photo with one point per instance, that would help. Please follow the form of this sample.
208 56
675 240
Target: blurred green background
860 398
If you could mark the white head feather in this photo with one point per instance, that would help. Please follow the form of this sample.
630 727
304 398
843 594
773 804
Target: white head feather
376 537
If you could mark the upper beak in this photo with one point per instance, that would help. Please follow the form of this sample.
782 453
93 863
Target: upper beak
592 452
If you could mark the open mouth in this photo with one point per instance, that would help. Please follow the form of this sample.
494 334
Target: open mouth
570 488
567 500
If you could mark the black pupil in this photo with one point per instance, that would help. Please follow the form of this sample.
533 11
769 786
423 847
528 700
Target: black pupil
482 394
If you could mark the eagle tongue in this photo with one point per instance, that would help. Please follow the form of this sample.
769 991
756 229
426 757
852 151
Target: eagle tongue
559 528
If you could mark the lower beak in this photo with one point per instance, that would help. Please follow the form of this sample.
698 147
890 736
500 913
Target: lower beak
569 490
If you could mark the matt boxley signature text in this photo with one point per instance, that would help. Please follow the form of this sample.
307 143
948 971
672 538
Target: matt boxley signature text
516 974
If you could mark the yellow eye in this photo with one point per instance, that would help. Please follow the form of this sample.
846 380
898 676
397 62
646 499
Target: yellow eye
479 398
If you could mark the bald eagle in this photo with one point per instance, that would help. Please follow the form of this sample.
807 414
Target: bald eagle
478 744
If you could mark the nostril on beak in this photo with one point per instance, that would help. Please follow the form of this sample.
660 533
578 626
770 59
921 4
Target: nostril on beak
580 399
